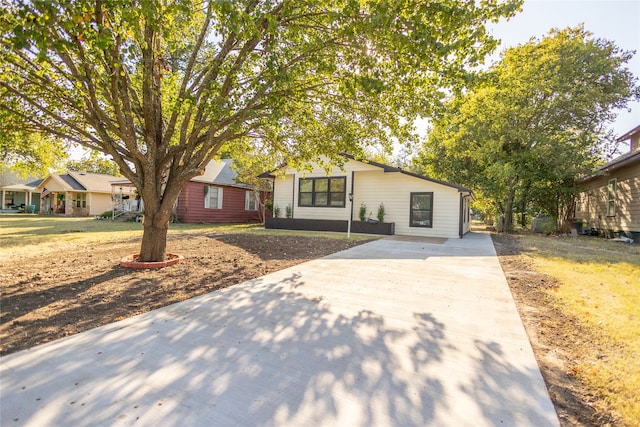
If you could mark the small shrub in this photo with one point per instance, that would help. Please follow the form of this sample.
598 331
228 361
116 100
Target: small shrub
288 211
106 215
276 211
362 213
381 212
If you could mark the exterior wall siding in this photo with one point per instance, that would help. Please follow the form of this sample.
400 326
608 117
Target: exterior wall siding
98 203
283 193
190 207
394 190
593 201
373 186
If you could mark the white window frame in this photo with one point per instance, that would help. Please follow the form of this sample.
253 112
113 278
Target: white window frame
249 198
208 197
81 199
611 197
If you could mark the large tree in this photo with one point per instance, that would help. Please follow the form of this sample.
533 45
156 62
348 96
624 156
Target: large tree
27 153
163 86
534 123
94 163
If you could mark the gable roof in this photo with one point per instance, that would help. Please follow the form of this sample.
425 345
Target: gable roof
93 181
83 182
219 172
624 160
386 169
633 132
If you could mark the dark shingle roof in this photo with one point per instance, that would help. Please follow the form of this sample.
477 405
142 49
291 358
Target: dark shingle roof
75 185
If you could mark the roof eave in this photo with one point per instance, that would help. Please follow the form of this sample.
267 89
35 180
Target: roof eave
613 166
629 134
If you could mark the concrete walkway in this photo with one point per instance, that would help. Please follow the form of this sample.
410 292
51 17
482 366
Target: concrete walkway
390 333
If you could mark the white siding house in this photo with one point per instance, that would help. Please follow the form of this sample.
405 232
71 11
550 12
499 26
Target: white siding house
416 205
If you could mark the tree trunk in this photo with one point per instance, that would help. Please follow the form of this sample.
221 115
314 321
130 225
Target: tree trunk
523 212
565 213
154 238
508 210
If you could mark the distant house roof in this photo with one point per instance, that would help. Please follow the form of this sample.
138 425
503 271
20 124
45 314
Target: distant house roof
83 182
633 132
93 181
217 172
626 159
388 169
10 179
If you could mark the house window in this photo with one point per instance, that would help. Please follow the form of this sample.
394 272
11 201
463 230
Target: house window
421 210
212 197
250 201
611 200
322 192
466 210
81 200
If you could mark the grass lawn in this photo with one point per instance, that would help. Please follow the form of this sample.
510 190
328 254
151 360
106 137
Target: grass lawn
600 287
20 233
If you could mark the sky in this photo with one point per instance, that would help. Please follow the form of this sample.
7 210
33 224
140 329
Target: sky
614 20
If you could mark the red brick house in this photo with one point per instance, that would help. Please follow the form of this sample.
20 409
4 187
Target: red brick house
216 197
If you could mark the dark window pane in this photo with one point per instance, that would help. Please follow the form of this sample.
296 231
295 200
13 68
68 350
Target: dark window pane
337 185
421 218
321 199
337 199
322 185
306 185
305 199
421 201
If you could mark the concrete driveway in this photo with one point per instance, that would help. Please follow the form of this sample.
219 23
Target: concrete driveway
390 333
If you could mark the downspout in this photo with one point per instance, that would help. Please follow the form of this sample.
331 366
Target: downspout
461 216
293 196
353 176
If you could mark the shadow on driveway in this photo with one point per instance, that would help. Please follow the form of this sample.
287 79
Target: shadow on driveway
291 348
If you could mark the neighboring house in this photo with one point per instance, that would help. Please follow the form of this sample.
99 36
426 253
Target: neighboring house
76 194
416 205
18 194
610 201
216 197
